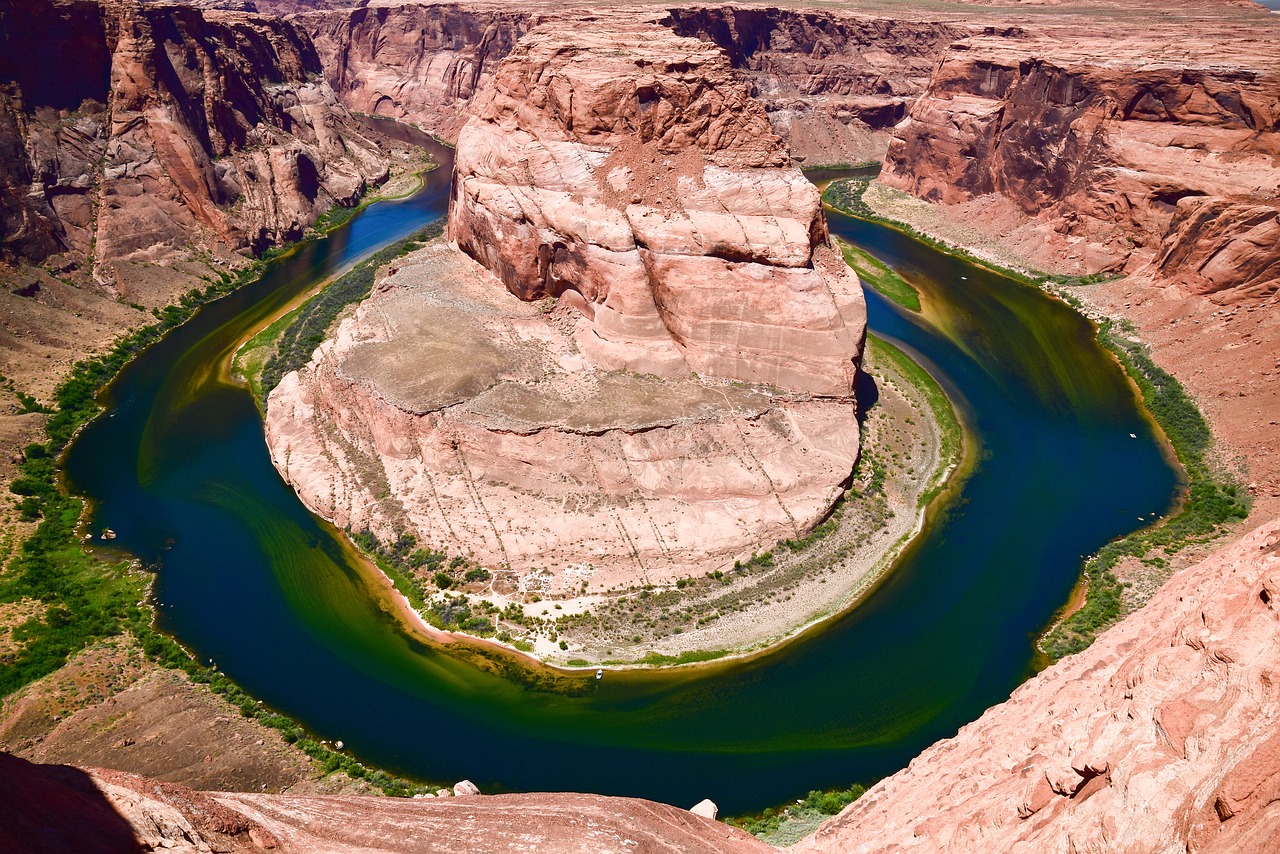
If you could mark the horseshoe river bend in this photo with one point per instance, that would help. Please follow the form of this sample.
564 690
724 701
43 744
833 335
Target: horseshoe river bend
248 578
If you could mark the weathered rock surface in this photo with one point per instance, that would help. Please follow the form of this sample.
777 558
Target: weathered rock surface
448 408
418 63
131 132
616 172
622 169
832 83
1161 737
1123 152
117 812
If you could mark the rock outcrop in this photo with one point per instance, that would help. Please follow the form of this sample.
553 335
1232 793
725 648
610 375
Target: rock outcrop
115 812
832 83
584 429
1124 152
1161 737
159 127
418 63
621 168
447 408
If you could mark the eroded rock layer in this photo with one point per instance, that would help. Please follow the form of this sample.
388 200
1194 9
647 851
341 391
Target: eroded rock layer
129 132
116 812
621 168
1124 151
418 63
1161 737
832 83
450 409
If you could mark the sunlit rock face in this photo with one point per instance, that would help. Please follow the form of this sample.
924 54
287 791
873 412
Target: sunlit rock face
1128 159
622 168
664 384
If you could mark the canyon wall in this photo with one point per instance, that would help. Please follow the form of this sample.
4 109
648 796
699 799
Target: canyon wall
833 84
1126 152
156 129
418 63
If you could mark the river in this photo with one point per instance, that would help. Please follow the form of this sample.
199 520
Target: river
247 578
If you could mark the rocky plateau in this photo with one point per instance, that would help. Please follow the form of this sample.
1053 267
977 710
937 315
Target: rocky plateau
664 385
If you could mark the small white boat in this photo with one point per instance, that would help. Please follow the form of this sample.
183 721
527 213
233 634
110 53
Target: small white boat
1133 435
600 674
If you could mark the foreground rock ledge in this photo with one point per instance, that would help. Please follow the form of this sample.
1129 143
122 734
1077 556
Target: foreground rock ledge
1161 737
666 382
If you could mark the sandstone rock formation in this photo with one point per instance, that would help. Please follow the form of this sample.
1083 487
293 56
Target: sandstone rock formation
1124 151
621 168
117 812
160 127
447 408
832 83
616 172
419 63
1161 737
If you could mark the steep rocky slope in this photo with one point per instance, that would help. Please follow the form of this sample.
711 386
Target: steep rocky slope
833 83
419 63
159 129
1124 151
580 430
1161 737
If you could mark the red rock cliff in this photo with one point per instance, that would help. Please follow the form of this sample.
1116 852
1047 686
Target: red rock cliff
1126 148
622 168
131 131
832 84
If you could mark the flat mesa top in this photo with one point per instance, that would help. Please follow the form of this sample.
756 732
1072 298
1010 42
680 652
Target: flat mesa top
450 336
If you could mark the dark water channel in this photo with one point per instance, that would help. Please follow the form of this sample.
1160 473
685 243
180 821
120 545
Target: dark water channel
249 579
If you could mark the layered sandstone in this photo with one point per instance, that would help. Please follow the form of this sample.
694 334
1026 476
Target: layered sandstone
833 83
581 425
1161 737
450 409
621 168
161 128
414 62
1150 148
